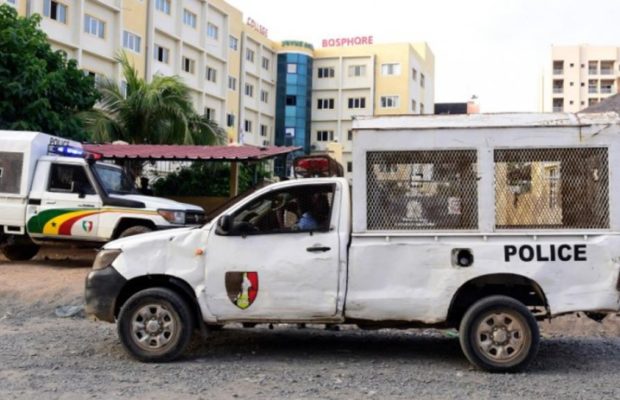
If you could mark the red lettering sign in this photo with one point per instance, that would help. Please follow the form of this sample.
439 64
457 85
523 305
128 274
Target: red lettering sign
348 41
257 27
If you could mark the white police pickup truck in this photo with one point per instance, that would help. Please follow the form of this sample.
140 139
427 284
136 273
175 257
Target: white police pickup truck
483 223
53 192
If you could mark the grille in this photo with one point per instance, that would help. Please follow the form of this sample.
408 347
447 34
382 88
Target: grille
422 190
551 188
194 218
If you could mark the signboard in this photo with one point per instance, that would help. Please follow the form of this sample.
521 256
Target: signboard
257 27
351 41
297 43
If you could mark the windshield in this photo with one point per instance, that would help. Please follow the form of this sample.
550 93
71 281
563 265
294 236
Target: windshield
113 179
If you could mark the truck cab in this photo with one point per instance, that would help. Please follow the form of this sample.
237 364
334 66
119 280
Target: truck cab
56 193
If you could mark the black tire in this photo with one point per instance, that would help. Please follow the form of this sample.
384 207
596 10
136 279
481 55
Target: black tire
164 306
499 334
135 230
20 252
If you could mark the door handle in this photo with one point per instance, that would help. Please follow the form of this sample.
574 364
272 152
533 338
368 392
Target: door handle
318 249
86 205
50 202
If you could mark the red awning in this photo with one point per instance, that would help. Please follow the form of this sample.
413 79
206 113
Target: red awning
177 152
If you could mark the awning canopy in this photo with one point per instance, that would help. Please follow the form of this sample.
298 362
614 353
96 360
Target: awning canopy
183 152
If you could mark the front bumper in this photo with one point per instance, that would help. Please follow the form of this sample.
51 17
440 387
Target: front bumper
102 289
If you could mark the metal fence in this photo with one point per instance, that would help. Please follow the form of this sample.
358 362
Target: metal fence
551 188
422 190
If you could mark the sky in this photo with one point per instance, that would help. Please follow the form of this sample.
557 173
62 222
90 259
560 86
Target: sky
496 50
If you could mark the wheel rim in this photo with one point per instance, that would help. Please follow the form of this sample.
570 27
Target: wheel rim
154 327
502 336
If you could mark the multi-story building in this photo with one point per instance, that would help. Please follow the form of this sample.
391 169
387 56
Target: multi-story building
333 85
263 92
582 76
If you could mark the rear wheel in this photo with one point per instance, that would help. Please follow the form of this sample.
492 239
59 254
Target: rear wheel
499 334
20 252
155 325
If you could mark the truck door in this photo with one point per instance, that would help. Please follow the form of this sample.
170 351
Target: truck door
70 206
279 257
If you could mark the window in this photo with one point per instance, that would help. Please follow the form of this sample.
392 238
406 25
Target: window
55 10
249 55
414 74
233 43
422 190
210 113
264 96
552 188
349 166
357 70
124 89
13 2
232 83
301 208
421 108
324 136
189 18
422 80
323 104
96 77
263 130
163 6
230 120
326 72
357 102
188 65
414 106
249 90
389 101
291 100
247 125
94 26
291 68
161 54
390 69
69 179
265 63
211 74
131 41
212 31
350 134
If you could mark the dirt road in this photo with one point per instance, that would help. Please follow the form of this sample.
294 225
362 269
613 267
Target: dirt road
44 356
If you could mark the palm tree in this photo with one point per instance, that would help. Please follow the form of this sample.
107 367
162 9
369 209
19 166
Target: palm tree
157 112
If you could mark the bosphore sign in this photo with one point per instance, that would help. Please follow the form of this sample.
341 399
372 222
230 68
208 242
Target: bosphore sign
350 41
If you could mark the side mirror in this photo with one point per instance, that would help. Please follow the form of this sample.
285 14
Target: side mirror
224 224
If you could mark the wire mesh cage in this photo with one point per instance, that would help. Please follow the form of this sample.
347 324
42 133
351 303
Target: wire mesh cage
551 188
422 190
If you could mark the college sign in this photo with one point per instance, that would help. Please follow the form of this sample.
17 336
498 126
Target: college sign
257 27
350 41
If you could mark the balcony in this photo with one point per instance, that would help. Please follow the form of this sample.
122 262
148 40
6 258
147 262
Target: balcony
558 109
592 89
558 71
558 90
606 89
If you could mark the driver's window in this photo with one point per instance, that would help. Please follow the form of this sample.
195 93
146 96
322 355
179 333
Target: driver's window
69 179
297 209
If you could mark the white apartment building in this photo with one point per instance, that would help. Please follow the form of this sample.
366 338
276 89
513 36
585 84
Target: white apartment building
582 76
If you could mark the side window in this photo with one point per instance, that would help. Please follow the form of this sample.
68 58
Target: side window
69 179
298 209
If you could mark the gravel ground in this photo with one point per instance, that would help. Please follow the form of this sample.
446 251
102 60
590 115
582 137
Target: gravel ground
44 356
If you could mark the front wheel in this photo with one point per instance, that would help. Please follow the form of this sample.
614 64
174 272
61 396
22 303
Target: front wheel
155 325
20 252
499 334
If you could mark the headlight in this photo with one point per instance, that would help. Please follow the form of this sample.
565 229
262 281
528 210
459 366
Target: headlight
174 217
105 258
